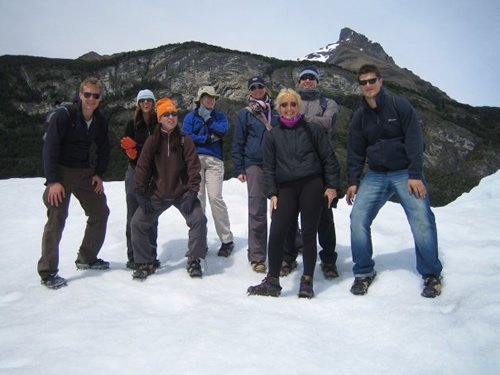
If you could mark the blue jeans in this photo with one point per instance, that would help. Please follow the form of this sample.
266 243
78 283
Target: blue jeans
375 190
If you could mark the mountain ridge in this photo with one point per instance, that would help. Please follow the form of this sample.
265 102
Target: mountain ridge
463 142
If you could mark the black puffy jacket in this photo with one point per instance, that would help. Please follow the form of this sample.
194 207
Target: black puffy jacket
292 153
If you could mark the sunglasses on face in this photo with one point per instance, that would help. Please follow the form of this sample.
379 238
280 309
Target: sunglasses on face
255 87
89 94
168 114
371 81
145 101
308 77
292 104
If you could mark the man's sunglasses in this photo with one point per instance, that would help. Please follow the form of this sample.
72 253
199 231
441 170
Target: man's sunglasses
371 81
255 87
309 77
168 114
89 94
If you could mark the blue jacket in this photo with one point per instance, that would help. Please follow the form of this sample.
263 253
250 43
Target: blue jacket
390 137
203 133
248 140
69 144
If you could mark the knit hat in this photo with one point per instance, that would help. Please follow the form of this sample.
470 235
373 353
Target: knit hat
309 70
164 105
209 90
145 94
254 80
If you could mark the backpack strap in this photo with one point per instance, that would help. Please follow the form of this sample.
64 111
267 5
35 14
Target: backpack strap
256 115
323 102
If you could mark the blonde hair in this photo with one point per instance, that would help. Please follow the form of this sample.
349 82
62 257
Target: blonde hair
284 93
91 81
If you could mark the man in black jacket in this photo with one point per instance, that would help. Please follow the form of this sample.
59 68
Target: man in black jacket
387 132
66 160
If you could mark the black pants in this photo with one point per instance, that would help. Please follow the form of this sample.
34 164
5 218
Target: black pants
304 196
326 236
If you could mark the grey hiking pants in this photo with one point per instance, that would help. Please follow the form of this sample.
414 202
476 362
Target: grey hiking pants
141 225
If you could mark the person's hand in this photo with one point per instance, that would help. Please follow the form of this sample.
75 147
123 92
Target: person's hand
56 194
330 195
273 205
127 143
350 194
145 203
131 153
242 177
417 188
97 182
190 200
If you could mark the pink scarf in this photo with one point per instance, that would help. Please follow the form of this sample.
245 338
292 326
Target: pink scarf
292 122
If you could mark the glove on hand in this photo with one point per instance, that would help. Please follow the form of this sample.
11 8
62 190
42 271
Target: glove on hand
204 113
131 153
190 200
145 203
127 143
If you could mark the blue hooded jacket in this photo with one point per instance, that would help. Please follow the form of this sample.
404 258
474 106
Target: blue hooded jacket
207 135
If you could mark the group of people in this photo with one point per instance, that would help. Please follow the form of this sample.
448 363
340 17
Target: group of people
281 148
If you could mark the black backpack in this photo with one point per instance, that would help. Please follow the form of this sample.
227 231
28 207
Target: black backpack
70 109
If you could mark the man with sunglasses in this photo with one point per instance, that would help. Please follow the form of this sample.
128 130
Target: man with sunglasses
68 171
322 111
386 131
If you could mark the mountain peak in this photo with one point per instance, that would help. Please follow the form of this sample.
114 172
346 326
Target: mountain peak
349 40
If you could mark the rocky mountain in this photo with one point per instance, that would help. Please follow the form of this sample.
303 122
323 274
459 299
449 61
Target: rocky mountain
352 50
463 142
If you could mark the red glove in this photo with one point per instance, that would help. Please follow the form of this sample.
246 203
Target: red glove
131 153
128 143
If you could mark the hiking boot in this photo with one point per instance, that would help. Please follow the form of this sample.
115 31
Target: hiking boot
432 286
329 270
194 267
54 281
270 286
258 267
133 265
98 264
226 249
361 284
143 270
306 287
287 268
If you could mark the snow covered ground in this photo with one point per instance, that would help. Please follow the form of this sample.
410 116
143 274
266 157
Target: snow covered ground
107 323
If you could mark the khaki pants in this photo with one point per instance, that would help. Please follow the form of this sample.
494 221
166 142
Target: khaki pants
212 177
77 182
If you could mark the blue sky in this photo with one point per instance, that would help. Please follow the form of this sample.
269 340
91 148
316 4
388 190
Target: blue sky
450 43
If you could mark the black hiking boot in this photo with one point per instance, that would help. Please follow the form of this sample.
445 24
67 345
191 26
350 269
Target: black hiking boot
270 286
194 267
133 265
226 249
98 264
329 270
54 281
432 286
287 268
143 270
306 287
361 284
